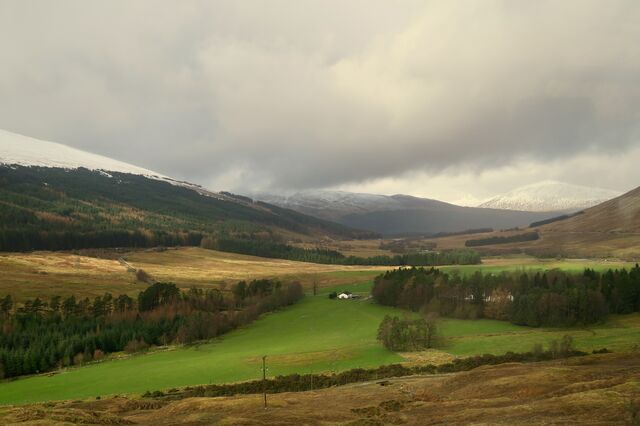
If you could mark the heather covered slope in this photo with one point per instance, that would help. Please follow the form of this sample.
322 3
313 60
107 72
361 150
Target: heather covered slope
593 390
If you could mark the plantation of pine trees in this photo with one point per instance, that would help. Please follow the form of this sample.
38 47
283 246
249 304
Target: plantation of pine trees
40 336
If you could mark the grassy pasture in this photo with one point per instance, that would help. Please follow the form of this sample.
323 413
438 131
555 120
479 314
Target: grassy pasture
316 335
527 263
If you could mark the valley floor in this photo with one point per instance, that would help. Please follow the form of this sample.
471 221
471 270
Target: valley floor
315 335
593 390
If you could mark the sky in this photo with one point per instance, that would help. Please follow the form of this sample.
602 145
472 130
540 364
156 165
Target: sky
457 101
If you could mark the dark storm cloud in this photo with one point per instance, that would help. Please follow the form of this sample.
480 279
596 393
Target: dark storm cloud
295 94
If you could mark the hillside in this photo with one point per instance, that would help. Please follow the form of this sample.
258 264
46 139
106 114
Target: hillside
620 215
610 229
550 196
56 197
400 214
598 389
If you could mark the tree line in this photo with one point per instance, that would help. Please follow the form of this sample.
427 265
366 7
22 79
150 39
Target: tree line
306 382
39 336
278 250
527 236
552 298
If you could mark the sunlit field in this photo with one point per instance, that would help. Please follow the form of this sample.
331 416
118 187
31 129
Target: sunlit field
315 335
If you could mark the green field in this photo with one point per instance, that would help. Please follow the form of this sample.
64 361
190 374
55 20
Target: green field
523 263
316 335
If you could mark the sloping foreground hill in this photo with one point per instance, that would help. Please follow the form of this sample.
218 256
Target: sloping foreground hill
593 390
610 229
58 208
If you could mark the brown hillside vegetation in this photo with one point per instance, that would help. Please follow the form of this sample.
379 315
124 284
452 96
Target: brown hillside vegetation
594 390
610 229
44 274
619 215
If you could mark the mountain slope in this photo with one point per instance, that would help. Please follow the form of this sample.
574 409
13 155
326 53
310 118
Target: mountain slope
610 229
401 214
550 196
22 150
55 197
620 215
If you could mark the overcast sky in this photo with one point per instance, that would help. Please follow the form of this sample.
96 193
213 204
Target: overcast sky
447 99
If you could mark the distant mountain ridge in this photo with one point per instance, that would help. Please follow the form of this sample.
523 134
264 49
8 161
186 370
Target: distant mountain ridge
550 196
400 214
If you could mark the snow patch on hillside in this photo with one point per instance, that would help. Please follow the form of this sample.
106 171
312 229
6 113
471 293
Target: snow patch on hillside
332 205
550 196
22 150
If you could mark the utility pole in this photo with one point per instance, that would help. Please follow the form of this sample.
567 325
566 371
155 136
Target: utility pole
264 380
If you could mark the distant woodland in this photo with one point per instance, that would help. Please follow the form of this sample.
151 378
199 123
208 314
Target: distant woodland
554 298
518 238
273 249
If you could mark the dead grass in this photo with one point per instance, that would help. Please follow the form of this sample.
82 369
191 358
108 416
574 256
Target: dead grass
44 274
430 356
594 390
207 267
555 241
360 248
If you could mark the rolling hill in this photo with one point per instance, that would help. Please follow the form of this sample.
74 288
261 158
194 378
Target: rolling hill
401 214
56 197
610 229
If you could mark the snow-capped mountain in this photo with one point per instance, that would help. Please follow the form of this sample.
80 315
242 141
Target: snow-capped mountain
333 205
20 150
399 214
550 196
109 203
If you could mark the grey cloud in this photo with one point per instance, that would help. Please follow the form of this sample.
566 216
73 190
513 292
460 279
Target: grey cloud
303 94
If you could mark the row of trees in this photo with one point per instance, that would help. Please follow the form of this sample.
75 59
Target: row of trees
37 239
553 298
278 250
39 336
518 238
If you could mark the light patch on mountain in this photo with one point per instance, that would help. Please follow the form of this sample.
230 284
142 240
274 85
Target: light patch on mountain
550 196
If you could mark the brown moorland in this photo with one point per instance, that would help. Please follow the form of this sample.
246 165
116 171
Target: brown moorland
44 274
610 229
593 390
